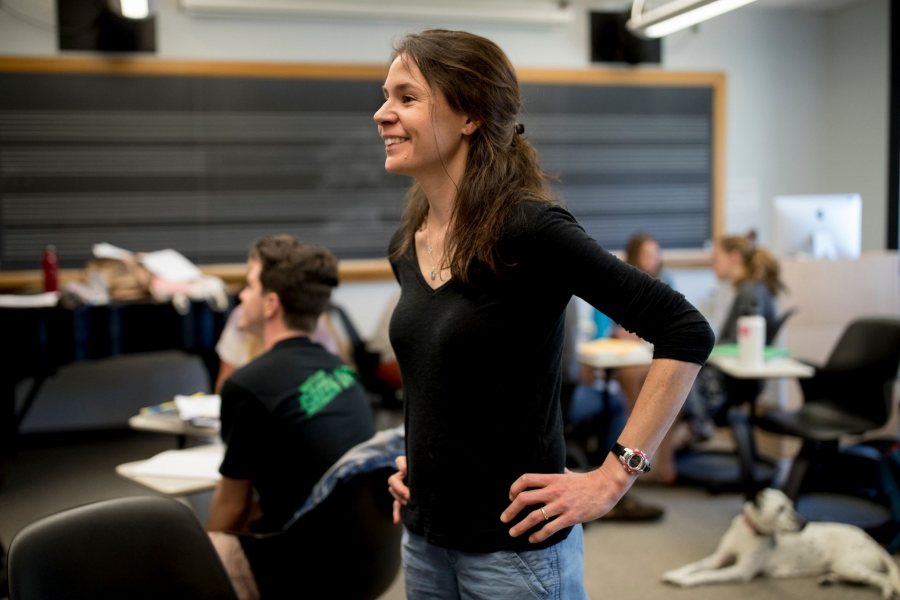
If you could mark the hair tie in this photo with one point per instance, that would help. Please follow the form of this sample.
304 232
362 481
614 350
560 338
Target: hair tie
519 128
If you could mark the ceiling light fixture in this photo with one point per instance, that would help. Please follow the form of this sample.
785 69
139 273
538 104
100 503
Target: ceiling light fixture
676 15
131 9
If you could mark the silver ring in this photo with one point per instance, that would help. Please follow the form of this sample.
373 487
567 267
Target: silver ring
544 512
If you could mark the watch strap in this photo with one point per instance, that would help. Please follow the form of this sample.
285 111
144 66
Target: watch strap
633 460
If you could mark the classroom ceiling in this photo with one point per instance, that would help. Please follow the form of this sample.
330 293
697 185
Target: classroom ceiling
803 5
810 5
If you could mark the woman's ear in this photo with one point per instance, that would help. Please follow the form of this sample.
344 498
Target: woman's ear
470 126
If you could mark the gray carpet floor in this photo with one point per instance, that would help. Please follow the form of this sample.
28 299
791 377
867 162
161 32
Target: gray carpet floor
623 561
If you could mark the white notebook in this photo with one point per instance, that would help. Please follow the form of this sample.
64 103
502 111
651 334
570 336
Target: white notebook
188 464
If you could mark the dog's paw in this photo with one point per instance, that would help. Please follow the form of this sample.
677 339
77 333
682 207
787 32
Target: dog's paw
677 577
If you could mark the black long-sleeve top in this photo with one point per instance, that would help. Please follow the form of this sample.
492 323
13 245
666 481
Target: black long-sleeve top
481 368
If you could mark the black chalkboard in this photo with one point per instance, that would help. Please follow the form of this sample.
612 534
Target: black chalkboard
206 164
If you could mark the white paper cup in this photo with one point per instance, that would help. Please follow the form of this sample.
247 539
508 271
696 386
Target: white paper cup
751 336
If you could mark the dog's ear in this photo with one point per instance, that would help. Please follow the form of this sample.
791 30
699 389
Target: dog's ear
751 494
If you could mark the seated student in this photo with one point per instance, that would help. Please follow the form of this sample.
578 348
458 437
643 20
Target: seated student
241 342
755 276
288 415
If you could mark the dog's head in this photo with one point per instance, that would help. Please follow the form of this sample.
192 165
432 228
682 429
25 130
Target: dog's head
771 512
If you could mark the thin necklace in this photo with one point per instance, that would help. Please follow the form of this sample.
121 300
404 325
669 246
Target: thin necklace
428 249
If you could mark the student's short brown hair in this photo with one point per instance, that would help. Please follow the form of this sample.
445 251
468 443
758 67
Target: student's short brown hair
302 275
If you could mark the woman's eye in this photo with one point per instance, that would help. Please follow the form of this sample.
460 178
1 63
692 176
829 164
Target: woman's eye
407 99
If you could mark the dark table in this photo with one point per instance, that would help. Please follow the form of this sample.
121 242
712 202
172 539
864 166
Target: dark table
38 341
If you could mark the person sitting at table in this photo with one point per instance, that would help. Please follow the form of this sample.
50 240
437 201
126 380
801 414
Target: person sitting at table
755 275
241 342
288 415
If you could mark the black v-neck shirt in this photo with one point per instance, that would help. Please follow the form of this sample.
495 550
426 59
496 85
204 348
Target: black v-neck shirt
481 368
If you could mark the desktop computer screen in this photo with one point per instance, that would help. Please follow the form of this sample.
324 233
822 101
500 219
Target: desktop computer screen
817 226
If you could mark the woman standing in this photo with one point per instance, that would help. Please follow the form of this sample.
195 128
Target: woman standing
487 261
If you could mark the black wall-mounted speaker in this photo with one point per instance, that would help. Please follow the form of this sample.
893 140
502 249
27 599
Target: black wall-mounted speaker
612 42
93 25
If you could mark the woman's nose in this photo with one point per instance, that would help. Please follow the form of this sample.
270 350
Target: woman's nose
382 114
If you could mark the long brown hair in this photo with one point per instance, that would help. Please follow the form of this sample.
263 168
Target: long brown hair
502 170
759 263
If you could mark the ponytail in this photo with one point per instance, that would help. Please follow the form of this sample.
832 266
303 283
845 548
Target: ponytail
764 267
759 264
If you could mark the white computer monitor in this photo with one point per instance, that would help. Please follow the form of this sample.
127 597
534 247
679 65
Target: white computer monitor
817 226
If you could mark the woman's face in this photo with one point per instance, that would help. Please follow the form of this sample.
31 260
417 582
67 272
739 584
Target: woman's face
724 263
648 258
423 137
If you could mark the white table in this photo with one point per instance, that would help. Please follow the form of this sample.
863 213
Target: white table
170 423
182 472
773 368
612 353
751 467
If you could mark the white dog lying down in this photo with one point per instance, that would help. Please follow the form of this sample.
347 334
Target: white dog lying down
769 538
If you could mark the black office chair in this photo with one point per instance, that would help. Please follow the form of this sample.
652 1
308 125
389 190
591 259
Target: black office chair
135 547
348 545
741 469
849 395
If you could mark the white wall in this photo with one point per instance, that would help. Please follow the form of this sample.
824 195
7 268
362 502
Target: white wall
855 154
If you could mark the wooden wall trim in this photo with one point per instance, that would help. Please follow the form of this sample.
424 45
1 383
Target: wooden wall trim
142 65
189 68
350 271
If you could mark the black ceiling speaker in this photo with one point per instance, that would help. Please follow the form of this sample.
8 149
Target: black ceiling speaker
612 42
100 25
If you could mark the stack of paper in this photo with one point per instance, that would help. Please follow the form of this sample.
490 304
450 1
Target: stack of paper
29 300
182 464
200 410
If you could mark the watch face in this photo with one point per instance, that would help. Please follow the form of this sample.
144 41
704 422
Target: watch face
635 462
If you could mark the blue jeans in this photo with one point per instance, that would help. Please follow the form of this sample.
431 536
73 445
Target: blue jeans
435 573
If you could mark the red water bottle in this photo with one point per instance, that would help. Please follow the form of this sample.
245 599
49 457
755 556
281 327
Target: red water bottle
51 269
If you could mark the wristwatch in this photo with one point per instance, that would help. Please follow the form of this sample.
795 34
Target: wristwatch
634 461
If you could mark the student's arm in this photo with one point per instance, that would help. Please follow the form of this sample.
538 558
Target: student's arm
243 417
225 371
231 505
